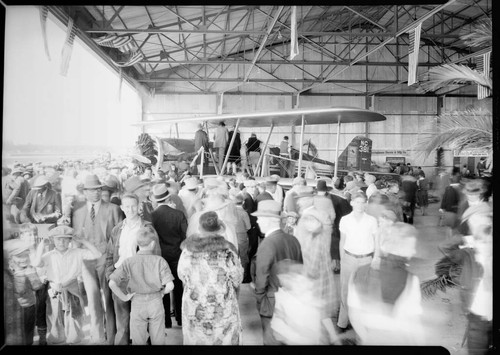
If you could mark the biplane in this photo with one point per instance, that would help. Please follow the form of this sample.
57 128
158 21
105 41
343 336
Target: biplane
356 156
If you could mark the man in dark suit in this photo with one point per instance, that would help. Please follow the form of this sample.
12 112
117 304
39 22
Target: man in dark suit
171 226
342 207
263 193
94 221
277 246
250 205
43 204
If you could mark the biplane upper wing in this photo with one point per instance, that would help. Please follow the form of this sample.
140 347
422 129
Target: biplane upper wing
325 115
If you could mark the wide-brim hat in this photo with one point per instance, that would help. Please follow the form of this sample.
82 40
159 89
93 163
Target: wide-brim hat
112 183
61 232
17 170
483 208
210 222
268 208
92 182
213 182
16 246
160 192
40 182
190 184
134 183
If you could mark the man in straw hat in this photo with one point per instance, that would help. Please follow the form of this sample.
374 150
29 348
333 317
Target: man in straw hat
43 204
275 247
189 195
94 222
63 266
171 226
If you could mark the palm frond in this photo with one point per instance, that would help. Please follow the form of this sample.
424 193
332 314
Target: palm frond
448 273
449 74
480 35
459 130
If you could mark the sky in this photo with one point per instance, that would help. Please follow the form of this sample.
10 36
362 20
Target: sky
43 107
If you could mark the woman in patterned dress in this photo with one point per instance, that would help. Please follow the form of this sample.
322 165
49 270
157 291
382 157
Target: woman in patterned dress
211 271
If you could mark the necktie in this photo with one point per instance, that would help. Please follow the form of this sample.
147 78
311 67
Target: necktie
92 214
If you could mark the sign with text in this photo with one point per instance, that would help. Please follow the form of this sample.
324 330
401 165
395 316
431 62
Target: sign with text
470 153
395 160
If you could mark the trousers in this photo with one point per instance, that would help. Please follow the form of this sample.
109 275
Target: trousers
147 313
100 302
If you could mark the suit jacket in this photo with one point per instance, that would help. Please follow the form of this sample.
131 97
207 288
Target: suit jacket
276 247
50 206
171 226
263 196
107 217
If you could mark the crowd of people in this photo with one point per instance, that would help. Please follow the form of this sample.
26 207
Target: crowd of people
124 247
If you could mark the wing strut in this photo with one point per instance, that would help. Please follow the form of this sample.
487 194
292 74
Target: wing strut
301 146
263 152
337 151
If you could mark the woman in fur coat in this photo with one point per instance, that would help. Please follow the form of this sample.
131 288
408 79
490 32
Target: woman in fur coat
211 271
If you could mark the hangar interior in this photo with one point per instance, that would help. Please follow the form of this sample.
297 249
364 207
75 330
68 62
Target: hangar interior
187 60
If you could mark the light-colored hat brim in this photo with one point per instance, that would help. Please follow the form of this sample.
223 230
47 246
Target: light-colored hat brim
267 214
93 187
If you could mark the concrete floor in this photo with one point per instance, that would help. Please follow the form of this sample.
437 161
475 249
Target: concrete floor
442 313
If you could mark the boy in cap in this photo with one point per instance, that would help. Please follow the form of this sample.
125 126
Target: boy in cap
26 282
63 266
28 232
149 278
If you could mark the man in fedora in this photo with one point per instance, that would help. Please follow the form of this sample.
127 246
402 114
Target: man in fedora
94 222
171 226
277 246
43 204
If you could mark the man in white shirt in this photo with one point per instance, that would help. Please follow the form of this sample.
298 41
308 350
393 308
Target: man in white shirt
358 246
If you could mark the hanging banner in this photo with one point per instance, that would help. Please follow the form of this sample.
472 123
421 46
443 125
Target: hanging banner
294 39
44 12
413 49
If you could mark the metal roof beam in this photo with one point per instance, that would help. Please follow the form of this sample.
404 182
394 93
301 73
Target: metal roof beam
285 61
267 80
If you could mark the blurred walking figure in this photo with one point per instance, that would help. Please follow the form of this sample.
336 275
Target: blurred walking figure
314 232
211 271
385 303
474 253
276 247
422 192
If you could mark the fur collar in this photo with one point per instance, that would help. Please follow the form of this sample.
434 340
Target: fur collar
197 244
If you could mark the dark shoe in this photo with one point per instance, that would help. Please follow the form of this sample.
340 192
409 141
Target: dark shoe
179 323
336 270
168 326
42 336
